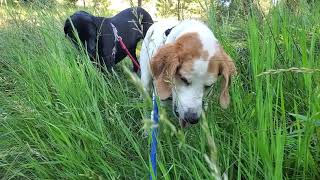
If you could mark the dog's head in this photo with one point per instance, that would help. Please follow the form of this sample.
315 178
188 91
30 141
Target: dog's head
184 70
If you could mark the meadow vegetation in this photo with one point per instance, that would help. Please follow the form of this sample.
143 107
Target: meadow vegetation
62 118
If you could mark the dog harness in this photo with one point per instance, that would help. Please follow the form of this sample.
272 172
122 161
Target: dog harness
168 31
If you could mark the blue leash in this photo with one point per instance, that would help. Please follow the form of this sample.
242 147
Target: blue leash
154 143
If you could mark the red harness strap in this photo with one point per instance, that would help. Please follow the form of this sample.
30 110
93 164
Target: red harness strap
123 46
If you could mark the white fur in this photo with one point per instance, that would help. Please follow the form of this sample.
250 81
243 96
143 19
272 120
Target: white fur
208 40
189 97
185 98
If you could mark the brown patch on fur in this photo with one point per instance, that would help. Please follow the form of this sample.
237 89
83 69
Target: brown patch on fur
163 66
189 46
170 57
222 64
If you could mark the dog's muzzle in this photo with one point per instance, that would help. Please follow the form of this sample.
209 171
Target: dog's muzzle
190 117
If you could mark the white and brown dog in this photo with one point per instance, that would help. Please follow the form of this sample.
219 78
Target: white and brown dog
182 64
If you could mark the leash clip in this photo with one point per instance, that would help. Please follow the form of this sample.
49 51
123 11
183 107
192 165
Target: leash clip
115 33
116 38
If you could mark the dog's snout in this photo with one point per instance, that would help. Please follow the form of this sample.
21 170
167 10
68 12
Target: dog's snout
191 117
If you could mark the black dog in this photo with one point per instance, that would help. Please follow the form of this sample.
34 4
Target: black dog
96 33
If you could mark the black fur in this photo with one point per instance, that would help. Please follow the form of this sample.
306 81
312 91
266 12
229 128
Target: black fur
97 36
168 31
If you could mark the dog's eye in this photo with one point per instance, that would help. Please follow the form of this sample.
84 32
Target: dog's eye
185 81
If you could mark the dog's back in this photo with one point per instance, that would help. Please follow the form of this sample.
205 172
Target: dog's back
156 37
132 23
132 17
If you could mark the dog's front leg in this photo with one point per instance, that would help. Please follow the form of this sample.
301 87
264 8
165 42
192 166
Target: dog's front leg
106 45
108 61
145 76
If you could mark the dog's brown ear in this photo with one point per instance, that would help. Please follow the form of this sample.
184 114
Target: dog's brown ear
222 64
164 65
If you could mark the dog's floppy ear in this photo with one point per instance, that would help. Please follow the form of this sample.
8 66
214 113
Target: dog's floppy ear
164 65
223 65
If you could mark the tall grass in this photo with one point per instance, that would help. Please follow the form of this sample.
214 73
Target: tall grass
62 118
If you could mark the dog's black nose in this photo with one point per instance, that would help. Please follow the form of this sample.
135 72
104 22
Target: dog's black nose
191 117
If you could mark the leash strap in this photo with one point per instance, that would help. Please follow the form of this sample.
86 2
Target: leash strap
154 131
154 113
123 46
118 38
